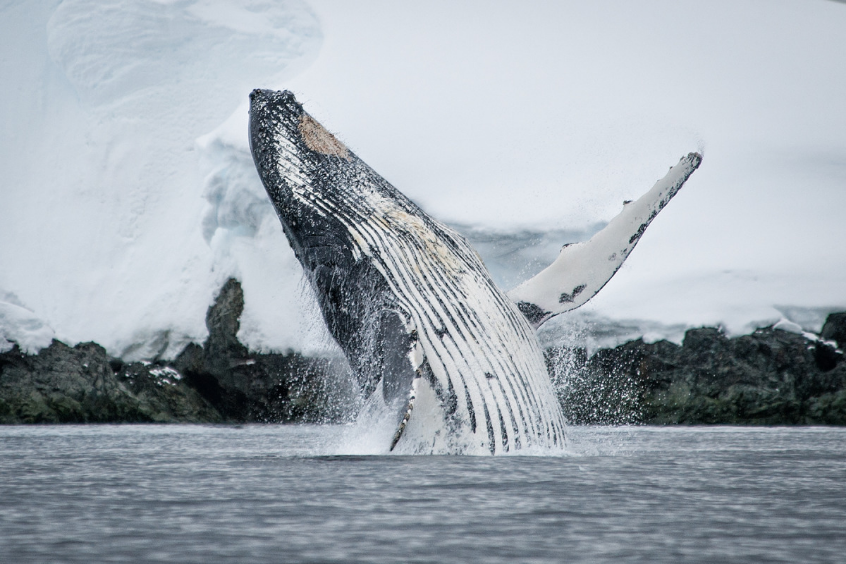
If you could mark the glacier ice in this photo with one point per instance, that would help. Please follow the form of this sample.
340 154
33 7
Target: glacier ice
122 212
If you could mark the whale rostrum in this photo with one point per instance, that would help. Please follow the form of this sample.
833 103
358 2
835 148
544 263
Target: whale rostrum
410 303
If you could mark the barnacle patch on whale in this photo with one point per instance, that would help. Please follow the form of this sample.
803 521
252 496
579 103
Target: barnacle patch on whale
319 140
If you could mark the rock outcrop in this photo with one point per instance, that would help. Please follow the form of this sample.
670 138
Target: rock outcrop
771 377
81 384
220 381
834 329
248 386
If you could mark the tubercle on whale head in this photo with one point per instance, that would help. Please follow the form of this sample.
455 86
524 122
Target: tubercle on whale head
280 111
294 156
269 112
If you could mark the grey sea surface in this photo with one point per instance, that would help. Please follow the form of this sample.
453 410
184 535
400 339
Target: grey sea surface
276 493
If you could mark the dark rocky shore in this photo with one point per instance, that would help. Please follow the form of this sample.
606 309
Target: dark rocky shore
771 377
220 381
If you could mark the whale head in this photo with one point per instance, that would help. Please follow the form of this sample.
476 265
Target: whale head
323 194
299 163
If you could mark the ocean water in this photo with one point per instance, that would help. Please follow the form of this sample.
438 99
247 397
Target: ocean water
274 493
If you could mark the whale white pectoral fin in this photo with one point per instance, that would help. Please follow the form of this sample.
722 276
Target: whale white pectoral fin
415 357
406 416
582 269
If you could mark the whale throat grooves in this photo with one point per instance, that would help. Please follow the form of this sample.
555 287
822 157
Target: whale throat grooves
452 359
424 328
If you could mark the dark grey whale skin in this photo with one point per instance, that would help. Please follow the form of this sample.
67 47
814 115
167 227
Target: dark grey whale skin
359 310
408 300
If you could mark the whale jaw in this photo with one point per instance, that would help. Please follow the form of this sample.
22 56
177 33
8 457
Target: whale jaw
406 298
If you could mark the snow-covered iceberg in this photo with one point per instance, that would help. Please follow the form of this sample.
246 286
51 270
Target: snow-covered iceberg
117 224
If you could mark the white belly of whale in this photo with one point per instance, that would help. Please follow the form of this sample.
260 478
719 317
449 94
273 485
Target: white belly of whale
411 303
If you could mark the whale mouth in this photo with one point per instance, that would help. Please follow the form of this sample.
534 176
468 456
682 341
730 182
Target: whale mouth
271 103
262 94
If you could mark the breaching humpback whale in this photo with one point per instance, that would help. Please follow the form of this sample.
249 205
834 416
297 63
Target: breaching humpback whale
411 304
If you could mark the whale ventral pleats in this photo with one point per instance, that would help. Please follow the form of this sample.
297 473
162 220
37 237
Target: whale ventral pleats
319 140
416 299
436 347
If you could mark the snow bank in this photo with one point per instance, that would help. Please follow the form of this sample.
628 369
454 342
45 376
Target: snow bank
118 225
22 326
